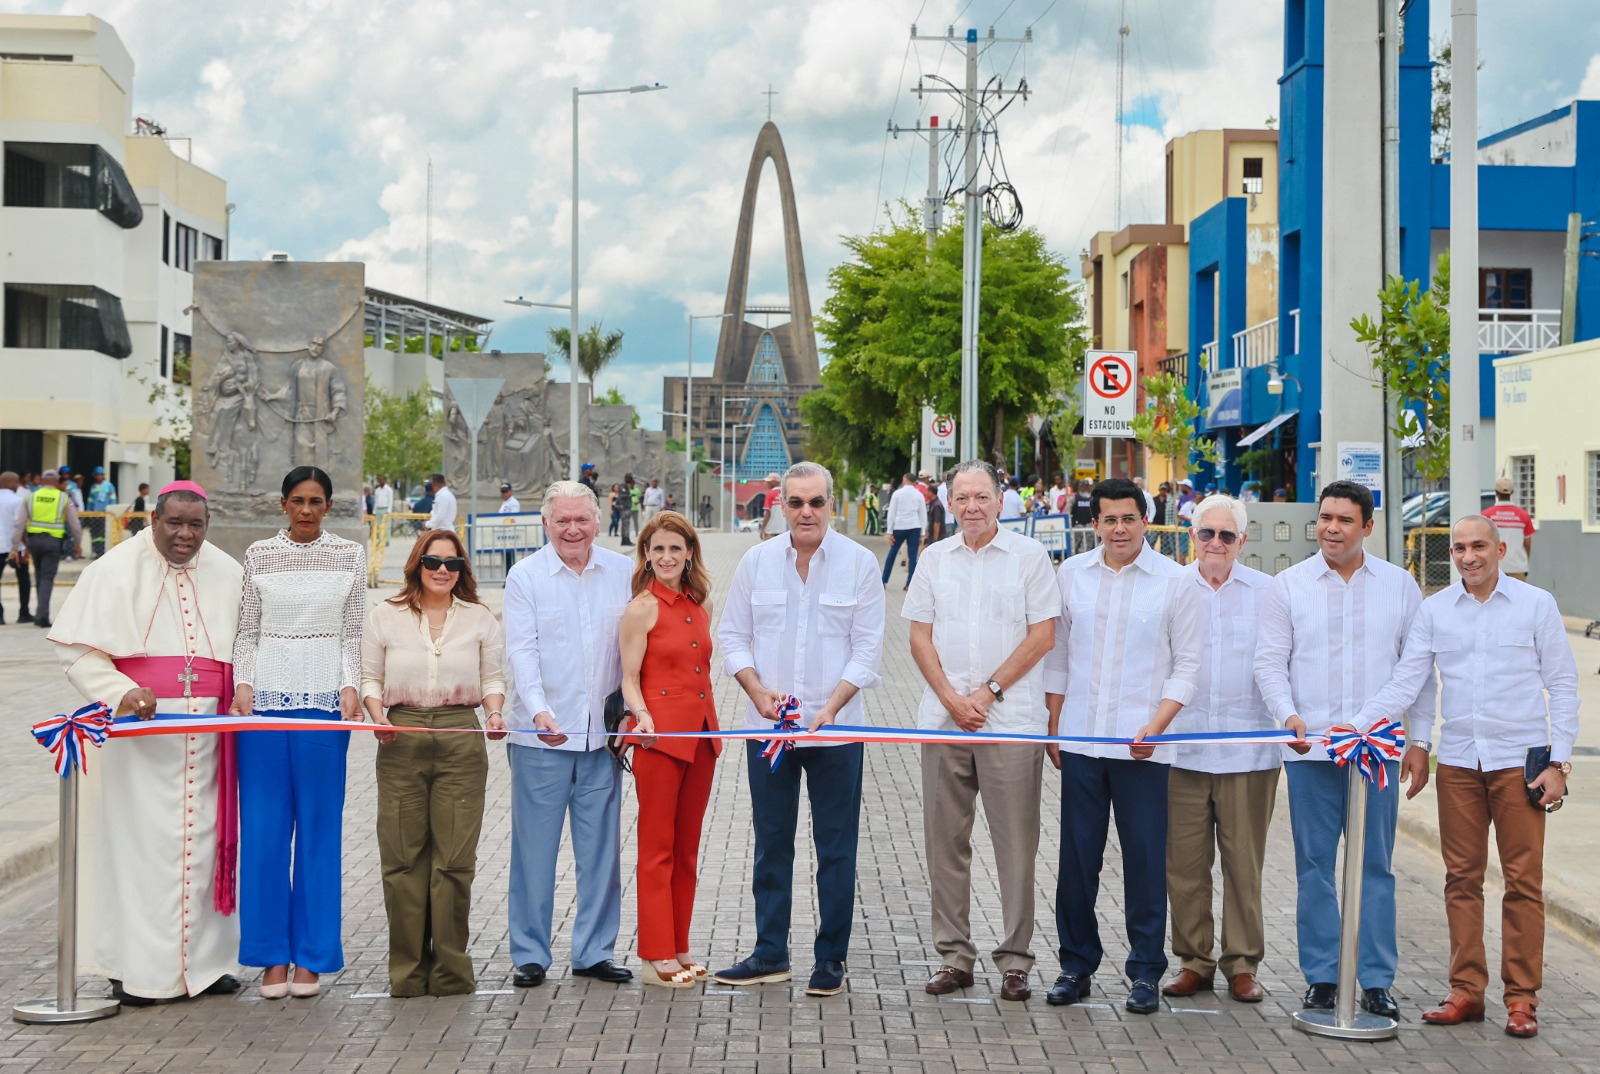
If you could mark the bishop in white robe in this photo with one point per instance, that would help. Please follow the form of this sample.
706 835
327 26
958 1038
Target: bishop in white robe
150 628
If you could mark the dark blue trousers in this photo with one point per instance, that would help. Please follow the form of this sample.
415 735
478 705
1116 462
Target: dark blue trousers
912 539
1091 787
833 778
291 825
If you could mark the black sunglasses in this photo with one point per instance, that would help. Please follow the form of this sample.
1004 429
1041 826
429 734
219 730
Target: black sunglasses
453 564
1225 536
816 503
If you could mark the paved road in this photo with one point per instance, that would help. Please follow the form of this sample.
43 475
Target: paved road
884 1022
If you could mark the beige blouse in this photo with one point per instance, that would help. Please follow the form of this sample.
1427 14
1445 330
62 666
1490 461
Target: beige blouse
402 664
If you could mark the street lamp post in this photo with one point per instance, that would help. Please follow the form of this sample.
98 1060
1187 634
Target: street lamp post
572 337
688 393
722 446
733 488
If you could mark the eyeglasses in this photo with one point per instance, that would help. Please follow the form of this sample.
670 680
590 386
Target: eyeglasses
816 503
453 564
1207 535
1121 520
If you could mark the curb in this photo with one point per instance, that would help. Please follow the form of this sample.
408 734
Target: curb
1561 905
26 858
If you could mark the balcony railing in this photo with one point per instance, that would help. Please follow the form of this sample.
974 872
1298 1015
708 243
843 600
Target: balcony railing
1208 356
1518 331
1175 365
1256 345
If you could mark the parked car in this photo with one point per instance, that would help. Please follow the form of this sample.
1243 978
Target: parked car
1438 509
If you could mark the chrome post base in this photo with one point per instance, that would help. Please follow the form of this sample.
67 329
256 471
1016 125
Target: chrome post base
47 1012
1363 1026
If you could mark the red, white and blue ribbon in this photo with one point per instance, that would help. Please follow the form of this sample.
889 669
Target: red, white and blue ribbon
66 736
1384 741
788 725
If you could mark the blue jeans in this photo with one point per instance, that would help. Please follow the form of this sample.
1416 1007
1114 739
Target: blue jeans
912 539
1091 787
833 778
548 785
1317 795
291 806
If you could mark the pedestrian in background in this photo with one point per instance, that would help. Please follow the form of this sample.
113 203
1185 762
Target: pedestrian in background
46 528
614 505
382 499
772 523
630 497
654 500
1516 529
442 514
509 505
13 551
429 657
133 519
908 517
869 501
102 496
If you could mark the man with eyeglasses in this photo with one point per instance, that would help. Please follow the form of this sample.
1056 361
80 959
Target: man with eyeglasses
982 617
804 616
1509 687
1125 662
1331 631
1219 800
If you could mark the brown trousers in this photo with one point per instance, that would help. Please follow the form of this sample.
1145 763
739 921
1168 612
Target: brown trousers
430 813
1469 802
1010 779
1207 811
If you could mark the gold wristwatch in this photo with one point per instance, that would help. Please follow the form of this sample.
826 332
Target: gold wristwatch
1564 766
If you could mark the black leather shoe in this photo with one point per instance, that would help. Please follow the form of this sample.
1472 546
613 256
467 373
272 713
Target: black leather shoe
1068 989
1378 1001
25 617
129 1000
607 971
1320 997
43 624
1143 998
226 985
529 975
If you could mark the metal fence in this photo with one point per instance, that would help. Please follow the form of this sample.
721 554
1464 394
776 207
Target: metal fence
1428 556
1062 539
497 542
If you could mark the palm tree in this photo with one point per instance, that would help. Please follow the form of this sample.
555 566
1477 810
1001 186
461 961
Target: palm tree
595 351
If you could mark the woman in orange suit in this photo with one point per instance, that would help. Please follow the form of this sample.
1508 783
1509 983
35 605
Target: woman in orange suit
666 682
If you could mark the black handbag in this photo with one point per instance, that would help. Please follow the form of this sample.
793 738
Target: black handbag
1538 761
615 714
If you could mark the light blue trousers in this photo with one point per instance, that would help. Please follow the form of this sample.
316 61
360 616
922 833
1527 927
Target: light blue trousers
547 786
1317 796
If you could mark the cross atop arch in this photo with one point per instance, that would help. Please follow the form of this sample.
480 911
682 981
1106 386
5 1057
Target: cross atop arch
769 93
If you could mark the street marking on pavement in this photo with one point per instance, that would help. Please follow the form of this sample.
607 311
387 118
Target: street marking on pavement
1191 1010
726 991
962 999
480 992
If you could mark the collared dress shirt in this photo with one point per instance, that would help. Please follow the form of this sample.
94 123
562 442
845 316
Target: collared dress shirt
444 510
981 605
1326 645
908 510
561 643
805 637
510 506
655 496
1226 697
383 498
402 663
1011 504
1495 662
1127 640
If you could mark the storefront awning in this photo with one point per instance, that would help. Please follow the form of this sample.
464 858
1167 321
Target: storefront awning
1246 441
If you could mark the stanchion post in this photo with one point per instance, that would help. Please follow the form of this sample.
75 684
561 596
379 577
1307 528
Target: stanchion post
66 1006
1345 1021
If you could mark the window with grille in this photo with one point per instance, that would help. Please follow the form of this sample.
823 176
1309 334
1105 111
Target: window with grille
766 449
1252 175
187 243
1522 474
1594 488
768 366
65 317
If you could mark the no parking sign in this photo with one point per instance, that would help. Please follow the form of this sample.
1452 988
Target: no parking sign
1108 395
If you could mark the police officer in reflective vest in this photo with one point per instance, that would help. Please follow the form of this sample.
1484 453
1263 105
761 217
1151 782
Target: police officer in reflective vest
46 517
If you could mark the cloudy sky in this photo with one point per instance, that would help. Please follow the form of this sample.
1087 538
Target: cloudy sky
322 115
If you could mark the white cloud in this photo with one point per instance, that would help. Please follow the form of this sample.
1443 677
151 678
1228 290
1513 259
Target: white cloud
1589 88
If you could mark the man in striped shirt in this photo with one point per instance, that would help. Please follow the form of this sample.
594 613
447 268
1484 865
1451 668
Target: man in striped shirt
1331 632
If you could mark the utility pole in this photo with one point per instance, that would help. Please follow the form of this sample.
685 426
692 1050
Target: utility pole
1122 49
972 212
427 241
1464 480
1391 29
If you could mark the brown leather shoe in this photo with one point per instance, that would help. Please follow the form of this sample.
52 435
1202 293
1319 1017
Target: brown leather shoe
947 980
1245 988
1187 983
1455 1009
1014 985
1521 1021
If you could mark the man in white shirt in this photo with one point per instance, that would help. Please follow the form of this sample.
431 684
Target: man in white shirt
1149 501
1330 633
1508 684
655 499
1124 663
908 517
444 505
563 606
382 499
804 616
1220 799
10 506
983 614
944 523
1011 501
509 505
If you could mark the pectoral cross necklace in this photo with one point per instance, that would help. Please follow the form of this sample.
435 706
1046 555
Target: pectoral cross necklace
188 677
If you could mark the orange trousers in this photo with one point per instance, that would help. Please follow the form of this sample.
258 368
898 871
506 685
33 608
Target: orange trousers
672 807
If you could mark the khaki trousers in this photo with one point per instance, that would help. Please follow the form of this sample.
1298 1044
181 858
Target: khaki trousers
1207 811
430 813
1010 779
1469 802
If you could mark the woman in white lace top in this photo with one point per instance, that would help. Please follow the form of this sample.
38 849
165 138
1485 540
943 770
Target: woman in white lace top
298 654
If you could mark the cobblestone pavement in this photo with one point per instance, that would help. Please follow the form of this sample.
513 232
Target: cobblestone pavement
883 1022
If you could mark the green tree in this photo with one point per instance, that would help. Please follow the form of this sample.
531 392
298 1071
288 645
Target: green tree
893 328
596 348
404 435
613 397
703 465
1410 349
1167 425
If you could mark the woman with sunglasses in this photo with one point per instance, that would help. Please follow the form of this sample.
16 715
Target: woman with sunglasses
665 641
429 657
297 655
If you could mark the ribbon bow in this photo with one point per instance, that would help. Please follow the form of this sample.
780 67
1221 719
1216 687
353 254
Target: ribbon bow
775 748
64 736
1385 740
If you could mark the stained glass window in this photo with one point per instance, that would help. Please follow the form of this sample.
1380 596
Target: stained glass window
766 451
768 366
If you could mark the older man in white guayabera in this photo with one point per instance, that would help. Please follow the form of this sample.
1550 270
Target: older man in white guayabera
1219 799
563 606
